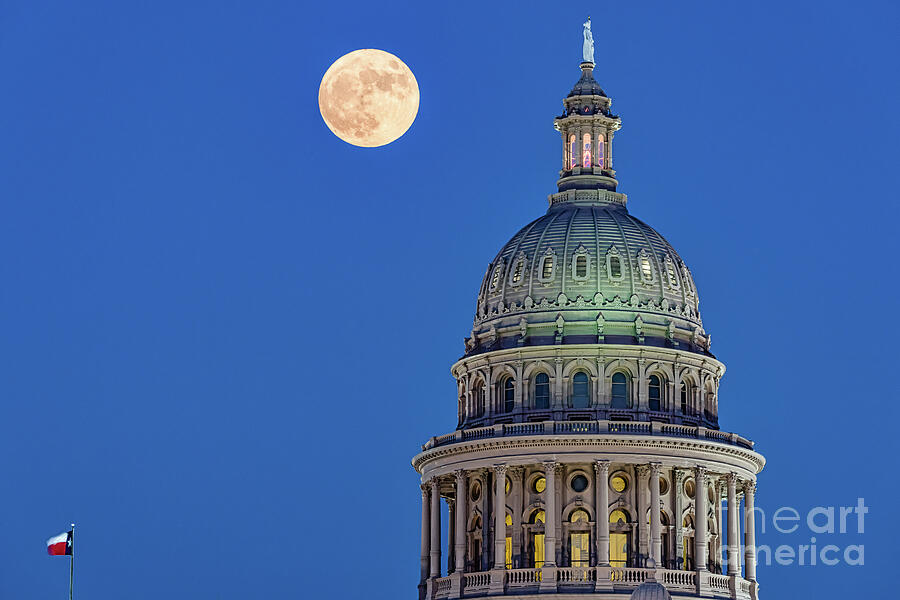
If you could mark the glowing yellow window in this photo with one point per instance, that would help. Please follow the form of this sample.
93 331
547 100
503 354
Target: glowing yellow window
580 551
616 516
538 550
618 484
539 486
618 549
507 491
646 269
579 516
517 272
509 543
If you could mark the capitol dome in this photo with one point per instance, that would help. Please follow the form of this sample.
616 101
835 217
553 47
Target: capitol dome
591 264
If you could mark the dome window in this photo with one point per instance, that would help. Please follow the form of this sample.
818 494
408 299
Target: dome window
614 264
686 398
581 397
581 264
509 395
600 151
573 151
688 281
548 266
518 270
619 391
646 267
586 153
655 392
495 278
542 391
670 273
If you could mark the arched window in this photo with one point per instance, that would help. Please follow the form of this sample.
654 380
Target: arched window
495 277
579 541
479 399
615 267
685 398
517 272
581 266
646 268
586 153
547 268
580 391
542 391
509 394
573 151
601 151
536 543
619 391
655 389
618 539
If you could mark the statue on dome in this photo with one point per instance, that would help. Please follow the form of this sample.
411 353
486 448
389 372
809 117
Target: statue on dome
588 51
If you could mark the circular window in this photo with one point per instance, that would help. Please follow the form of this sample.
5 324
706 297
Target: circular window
476 491
663 486
689 488
618 483
579 483
507 485
712 495
540 484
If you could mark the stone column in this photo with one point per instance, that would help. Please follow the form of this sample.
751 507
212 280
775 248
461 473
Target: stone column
484 477
749 530
641 499
655 533
461 512
550 516
678 484
435 527
601 484
700 548
734 561
515 477
500 517
720 527
426 533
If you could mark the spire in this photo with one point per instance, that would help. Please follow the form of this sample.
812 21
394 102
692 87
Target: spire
587 127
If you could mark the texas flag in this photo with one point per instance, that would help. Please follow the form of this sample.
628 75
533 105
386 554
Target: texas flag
60 545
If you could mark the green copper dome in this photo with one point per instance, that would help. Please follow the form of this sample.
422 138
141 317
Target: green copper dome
587 272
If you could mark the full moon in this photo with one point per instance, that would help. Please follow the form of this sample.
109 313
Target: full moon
368 98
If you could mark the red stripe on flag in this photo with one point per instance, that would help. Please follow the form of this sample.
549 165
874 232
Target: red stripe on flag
58 549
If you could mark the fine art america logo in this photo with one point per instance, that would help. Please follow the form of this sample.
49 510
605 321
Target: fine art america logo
825 525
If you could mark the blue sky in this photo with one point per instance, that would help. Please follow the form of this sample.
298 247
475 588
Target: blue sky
224 332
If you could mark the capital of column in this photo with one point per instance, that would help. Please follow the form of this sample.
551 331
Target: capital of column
679 477
731 479
700 473
601 467
500 470
425 487
642 470
749 487
655 468
460 475
552 465
515 473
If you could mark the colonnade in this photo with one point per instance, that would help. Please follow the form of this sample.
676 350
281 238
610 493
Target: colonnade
456 492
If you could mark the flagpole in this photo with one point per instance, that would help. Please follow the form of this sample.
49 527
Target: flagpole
72 564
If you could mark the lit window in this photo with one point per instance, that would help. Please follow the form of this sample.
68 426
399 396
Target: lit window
600 150
508 544
619 391
573 151
580 393
586 154
581 266
618 515
615 267
542 391
547 268
507 486
537 516
517 271
495 278
646 269
670 269
655 392
579 516
579 548
618 484
540 484
509 395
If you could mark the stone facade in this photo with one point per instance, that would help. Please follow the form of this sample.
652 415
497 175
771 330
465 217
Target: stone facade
587 457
